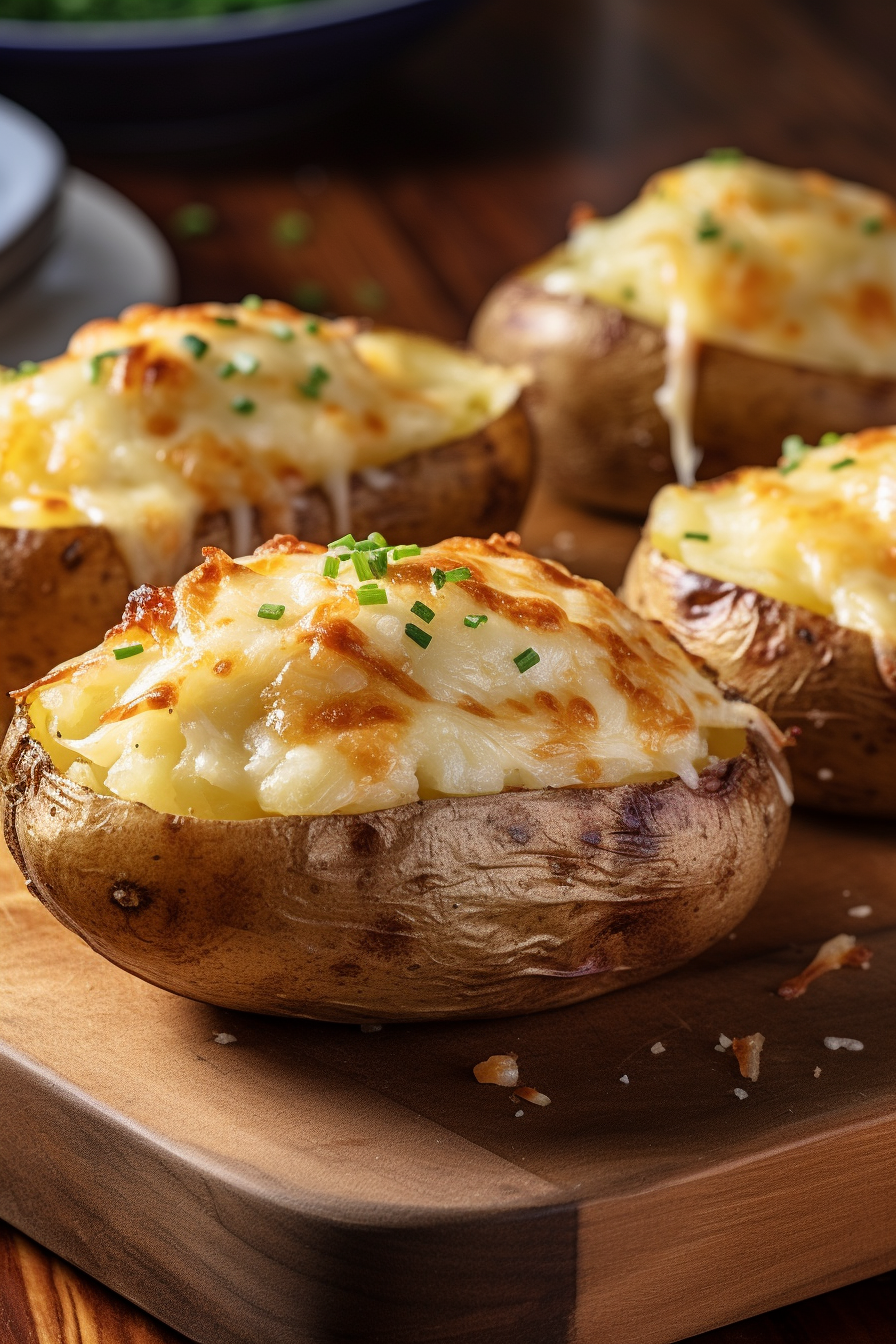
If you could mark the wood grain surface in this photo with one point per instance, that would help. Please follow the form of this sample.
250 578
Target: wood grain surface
446 171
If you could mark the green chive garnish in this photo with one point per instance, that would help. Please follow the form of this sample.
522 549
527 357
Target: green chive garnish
379 562
438 578
310 295
475 621
528 658
348 540
128 651
458 575
872 225
424 612
727 154
195 344
404 552
369 295
227 370
227 322
628 292
367 545
271 611
331 567
708 228
244 363
362 568
418 636
26 367
242 405
95 363
194 220
253 302
372 597
844 462
789 467
292 227
312 328
312 385
829 438
376 537
696 536
283 331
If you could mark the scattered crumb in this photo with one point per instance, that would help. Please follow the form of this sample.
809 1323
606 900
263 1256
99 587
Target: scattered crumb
223 1038
371 1026
741 1094
836 952
825 774
817 1073
519 1114
502 1070
725 1042
847 893
564 541
747 1050
842 1042
658 1049
624 1078
859 911
530 1094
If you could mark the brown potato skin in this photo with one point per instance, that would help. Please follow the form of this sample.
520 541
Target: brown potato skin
449 908
602 441
61 589
833 684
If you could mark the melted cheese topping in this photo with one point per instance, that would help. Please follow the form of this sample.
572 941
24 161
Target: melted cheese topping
148 422
820 534
333 707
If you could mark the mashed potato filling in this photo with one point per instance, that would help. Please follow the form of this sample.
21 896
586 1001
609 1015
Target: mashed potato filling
148 422
293 682
818 532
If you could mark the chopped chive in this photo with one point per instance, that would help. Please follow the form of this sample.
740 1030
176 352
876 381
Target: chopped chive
26 367
227 322
423 611
872 225
362 568
253 302
458 575
128 651
438 578
379 562
331 567
372 597
245 363
195 344
271 611
292 227
348 540
528 658
475 621
794 443
708 228
418 636
242 405
844 462
377 537
726 154
310 295
369 295
312 328
367 545
371 584
312 385
629 292
696 536
95 363
194 220
789 467
283 331
829 438
404 552
227 370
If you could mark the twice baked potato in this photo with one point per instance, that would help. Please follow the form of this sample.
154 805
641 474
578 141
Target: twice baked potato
470 785
784 582
732 304
220 425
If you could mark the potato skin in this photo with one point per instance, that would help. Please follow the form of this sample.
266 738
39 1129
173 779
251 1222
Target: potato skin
601 438
836 685
61 589
449 908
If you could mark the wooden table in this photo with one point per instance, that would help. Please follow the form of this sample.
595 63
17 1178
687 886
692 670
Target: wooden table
448 170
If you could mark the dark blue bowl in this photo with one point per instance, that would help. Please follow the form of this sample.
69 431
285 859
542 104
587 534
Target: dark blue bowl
192 83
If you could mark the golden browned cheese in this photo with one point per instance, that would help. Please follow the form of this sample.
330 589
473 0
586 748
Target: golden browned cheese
269 686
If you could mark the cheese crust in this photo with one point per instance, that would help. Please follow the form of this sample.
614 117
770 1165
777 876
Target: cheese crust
233 708
149 422
818 532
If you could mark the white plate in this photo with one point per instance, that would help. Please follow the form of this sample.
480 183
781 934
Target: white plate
32 164
108 256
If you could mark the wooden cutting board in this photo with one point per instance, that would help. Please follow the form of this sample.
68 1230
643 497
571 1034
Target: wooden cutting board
318 1184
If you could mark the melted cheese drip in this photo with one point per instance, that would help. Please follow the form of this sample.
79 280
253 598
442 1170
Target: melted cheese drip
333 708
821 536
676 396
150 436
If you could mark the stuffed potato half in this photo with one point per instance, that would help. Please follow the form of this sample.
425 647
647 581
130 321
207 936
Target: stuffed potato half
220 425
731 304
784 582
474 785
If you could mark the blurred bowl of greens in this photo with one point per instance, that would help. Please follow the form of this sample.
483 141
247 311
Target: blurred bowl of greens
122 75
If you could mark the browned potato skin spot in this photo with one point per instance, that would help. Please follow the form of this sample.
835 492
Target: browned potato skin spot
450 908
61 589
601 438
795 665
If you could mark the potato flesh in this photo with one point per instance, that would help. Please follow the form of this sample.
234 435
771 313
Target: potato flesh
821 536
333 708
146 440
796 266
